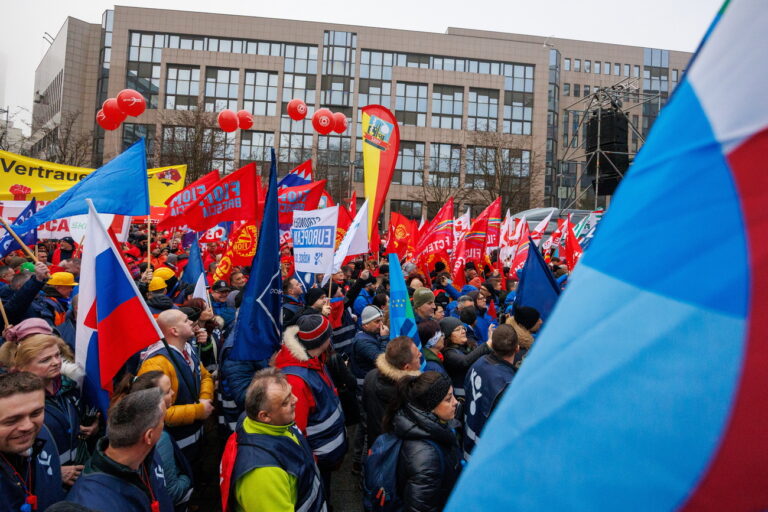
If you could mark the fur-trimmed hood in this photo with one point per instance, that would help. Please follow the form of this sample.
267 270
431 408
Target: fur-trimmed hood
392 373
293 345
524 336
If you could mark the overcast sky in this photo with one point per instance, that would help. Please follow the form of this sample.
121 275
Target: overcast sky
670 24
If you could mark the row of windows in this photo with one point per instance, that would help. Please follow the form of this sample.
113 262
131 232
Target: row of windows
604 68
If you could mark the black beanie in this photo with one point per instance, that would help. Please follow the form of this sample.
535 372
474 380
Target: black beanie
430 398
526 316
314 294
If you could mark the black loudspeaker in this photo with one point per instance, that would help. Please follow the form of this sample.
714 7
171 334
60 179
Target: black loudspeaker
613 128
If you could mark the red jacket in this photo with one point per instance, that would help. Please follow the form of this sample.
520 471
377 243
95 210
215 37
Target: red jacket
292 353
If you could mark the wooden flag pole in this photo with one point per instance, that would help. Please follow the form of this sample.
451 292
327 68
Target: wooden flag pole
149 241
5 317
20 242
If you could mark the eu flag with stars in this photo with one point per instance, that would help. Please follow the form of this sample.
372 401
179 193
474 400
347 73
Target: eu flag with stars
402 321
258 328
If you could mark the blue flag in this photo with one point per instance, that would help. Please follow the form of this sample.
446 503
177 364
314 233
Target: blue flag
194 274
402 321
119 186
258 328
8 243
538 288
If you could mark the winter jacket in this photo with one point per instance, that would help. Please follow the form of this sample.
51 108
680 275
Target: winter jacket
292 306
225 311
18 306
458 359
481 325
50 306
235 377
379 390
318 410
364 298
434 362
178 473
429 463
365 349
62 417
107 485
159 303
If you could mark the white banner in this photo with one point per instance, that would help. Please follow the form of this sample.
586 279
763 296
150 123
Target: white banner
68 226
314 236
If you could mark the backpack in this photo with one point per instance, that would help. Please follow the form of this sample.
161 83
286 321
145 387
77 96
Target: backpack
380 492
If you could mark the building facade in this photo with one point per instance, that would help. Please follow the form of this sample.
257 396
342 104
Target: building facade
480 113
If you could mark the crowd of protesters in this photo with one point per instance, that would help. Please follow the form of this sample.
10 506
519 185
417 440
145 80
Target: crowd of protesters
278 428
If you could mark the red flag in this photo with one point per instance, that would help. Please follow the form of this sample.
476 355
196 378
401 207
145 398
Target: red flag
342 225
459 260
494 226
303 197
184 198
573 250
523 246
241 247
234 197
437 235
399 235
353 205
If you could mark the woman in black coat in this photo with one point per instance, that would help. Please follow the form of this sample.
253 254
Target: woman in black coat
459 352
430 459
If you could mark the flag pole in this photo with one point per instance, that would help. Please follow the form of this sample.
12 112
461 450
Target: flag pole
5 317
16 237
149 241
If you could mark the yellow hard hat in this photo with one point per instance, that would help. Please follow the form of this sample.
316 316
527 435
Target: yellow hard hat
164 272
157 283
62 279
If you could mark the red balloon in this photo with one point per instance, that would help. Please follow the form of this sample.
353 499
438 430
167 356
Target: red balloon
131 102
322 121
244 119
227 120
112 110
339 122
105 121
297 109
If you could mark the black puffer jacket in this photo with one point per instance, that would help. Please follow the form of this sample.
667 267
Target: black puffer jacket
425 477
457 361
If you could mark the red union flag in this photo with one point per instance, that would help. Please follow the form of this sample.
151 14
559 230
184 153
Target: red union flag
400 235
303 197
494 226
184 198
234 197
436 238
240 250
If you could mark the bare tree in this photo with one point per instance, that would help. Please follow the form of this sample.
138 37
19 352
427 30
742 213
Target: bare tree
193 137
441 184
501 165
66 142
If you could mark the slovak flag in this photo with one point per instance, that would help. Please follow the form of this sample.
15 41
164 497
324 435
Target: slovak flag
194 273
113 322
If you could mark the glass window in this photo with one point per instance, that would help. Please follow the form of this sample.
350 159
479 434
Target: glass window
133 132
587 66
374 92
483 110
617 69
566 89
518 112
254 147
597 67
445 165
577 65
480 167
626 69
567 64
409 169
586 90
636 71
221 86
576 90
411 104
260 93
411 209
182 87
607 68
447 107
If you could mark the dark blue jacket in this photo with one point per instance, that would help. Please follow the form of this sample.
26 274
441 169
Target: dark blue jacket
62 417
263 451
225 311
18 306
484 384
365 349
363 299
107 485
235 377
46 483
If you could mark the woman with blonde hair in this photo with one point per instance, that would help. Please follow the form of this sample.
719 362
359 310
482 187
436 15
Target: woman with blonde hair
41 355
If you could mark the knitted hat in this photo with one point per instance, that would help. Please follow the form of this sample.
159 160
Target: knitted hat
157 283
369 314
422 296
526 316
26 328
314 330
435 394
315 294
448 325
